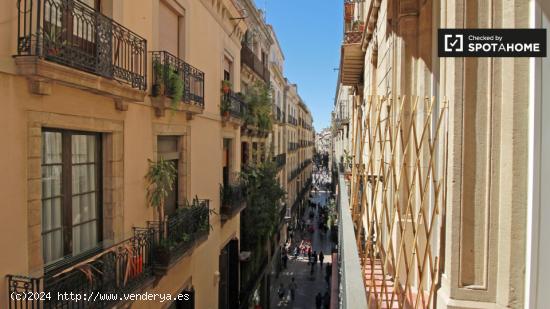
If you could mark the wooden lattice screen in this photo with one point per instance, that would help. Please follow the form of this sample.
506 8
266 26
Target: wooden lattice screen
398 197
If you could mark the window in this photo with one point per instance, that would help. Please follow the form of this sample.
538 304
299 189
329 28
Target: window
227 68
167 148
71 193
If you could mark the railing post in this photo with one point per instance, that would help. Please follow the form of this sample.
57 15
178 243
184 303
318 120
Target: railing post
39 35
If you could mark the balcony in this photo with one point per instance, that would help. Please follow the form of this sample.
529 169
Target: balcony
233 108
71 43
292 146
125 267
180 233
280 160
292 120
249 59
177 85
352 57
352 285
233 201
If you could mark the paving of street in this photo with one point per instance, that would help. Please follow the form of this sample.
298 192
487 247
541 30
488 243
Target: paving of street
307 286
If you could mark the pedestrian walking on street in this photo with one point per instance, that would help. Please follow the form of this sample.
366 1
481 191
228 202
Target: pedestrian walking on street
314 257
321 258
281 292
285 260
292 286
318 300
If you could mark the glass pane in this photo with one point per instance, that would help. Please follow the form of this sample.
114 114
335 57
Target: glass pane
84 237
51 181
53 11
84 208
83 178
83 148
51 147
51 214
52 246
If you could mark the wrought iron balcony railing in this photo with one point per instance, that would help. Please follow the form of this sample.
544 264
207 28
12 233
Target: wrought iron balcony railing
253 62
292 146
292 120
233 201
353 24
175 77
73 34
180 232
117 269
280 160
234 105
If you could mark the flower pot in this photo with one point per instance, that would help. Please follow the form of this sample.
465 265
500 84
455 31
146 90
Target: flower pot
162 256
158 89
226 89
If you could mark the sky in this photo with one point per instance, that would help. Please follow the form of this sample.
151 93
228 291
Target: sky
310 35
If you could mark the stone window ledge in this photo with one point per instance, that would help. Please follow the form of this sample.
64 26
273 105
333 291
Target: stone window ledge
163 103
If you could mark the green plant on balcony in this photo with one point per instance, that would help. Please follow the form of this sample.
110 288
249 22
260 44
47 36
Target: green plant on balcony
263 195
188 224
159 73
167 80
175 87
160 179
358 25
54 41
225 106
226 86
259 102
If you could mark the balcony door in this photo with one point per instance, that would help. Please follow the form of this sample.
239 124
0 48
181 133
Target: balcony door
170 29
167 148
229 276
71 193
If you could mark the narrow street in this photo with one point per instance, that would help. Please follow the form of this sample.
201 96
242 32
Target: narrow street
308 286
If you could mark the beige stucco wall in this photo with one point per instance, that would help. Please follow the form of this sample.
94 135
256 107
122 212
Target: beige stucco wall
206 41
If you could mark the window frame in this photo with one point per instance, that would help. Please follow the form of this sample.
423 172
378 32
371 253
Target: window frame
66 192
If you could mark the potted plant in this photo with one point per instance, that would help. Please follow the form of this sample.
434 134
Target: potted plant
162 252
225 107
175 87
359 26
158 71
54 42
160 179
226 86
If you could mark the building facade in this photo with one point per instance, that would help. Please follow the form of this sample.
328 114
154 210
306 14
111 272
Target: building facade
443 200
